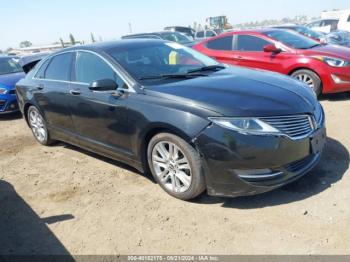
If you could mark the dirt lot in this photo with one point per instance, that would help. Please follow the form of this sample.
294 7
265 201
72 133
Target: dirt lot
65 200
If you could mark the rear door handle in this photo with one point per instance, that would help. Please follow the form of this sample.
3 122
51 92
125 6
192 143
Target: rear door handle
75 92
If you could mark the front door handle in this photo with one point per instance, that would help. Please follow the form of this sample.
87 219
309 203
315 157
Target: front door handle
39 87
75 92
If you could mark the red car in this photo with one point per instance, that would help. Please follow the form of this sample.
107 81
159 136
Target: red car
325 68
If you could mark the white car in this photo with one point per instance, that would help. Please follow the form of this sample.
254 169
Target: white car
344 21
324 25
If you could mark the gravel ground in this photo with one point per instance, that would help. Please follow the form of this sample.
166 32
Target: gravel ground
64 200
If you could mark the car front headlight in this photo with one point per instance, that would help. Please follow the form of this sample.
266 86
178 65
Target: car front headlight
245 125
331 61
3 91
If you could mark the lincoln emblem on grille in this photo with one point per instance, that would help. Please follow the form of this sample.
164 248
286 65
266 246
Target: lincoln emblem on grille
313 122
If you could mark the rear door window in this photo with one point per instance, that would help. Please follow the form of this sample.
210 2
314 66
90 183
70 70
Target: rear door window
224 43
41 72
59 67
250 43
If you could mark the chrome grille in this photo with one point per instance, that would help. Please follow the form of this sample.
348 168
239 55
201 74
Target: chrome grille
293 126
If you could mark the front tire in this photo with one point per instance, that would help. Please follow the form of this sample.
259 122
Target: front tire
176 166
310 78
38 126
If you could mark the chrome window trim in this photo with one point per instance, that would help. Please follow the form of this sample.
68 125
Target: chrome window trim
127 81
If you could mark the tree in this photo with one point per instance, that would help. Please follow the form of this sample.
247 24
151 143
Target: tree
72 39
24 44
62 42
93 40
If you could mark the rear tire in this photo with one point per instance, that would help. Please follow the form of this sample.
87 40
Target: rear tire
310 78
176 166
38 126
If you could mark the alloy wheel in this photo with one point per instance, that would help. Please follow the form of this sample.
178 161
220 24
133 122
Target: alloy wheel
306 79
37 125
171 166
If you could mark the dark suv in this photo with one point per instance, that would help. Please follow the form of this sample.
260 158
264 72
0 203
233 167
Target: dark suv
182 29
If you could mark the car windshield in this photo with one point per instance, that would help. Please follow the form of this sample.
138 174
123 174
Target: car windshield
308 32
292 39
9 65
148 63
176 37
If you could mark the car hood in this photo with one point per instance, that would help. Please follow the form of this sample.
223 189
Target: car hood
241 92
10 80
329 50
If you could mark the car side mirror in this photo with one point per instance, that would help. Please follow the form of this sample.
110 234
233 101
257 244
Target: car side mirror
103 85
272 49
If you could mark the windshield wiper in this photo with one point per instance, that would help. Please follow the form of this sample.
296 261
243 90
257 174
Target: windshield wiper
316 45
206 68
309 47
165 76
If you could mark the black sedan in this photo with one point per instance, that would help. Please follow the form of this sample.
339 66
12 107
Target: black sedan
165 108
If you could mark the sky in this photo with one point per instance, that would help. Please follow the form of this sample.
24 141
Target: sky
44 22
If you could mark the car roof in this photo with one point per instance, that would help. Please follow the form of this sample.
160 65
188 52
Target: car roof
287 26
259 31
324 19
205 30
178 26
253 31
103 46
159 33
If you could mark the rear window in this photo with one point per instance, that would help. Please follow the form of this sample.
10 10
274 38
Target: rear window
224 44
59 67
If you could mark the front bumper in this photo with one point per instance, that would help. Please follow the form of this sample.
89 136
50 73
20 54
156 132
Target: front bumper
336 80
230 160
8 103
